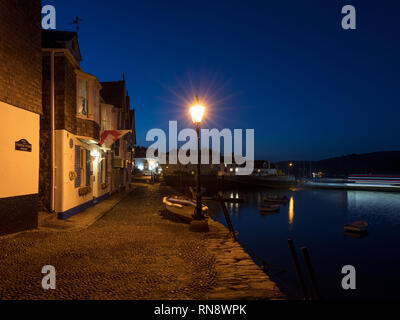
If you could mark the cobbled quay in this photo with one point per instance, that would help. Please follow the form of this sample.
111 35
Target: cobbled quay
136 251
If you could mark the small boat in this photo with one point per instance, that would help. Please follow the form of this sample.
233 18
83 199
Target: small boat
270 209
356 226
283 200
182 207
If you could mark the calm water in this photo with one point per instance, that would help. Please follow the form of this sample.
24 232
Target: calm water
315 218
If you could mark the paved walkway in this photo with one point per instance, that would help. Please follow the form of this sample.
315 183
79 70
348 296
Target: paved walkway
135 251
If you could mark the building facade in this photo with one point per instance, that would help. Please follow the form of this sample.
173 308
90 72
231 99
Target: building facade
21 107
72 167
122 150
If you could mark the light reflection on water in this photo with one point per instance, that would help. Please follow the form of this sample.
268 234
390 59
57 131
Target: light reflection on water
291 210
315 218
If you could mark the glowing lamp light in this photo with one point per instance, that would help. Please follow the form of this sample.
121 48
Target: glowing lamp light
95 153
197 111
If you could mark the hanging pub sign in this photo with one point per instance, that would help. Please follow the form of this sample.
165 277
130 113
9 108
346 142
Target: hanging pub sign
23 145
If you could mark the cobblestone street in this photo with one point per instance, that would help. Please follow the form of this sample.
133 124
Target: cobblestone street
133 252
136 251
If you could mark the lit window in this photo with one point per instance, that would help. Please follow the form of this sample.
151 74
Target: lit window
83 98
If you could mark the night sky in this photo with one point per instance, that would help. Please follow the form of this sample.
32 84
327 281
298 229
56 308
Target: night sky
310 89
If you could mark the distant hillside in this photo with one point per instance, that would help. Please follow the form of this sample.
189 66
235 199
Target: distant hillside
386 162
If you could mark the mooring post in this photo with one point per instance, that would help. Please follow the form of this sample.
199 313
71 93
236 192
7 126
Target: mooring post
226 214
298 271
311 272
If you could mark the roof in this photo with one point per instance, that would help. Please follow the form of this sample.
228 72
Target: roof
114 93
55 39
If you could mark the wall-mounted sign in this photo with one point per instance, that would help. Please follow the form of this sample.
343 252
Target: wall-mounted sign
23 145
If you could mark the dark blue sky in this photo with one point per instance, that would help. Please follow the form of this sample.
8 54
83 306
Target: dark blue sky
310 89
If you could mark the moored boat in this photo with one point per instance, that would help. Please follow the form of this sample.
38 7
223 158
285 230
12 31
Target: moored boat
182 207
356 226
283 200
269 209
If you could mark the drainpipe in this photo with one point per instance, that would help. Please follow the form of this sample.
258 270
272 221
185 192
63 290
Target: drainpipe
52 132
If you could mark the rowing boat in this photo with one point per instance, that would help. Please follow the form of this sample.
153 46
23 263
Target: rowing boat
182 207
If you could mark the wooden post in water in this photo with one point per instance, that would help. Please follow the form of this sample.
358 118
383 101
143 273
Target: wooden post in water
311 272
298 271
226 214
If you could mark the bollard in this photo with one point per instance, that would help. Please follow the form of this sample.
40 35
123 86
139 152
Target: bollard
298 271
311 272
226 214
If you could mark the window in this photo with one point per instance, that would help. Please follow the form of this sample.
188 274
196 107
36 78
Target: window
87 169
101 171
83 98
82 161
78 166
82 167
116 148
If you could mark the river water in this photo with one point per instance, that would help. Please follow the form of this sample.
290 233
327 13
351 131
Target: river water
315 219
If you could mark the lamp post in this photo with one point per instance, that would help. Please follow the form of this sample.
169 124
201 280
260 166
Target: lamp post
197 112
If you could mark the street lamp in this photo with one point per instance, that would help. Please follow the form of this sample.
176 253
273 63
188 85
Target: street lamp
197 113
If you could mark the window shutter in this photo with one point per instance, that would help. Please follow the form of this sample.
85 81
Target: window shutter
78 166
87 168
101 171
106 161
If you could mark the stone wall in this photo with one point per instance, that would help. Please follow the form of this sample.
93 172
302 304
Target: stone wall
20 54
18 214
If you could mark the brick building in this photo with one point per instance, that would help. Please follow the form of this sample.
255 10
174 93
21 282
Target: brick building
20 110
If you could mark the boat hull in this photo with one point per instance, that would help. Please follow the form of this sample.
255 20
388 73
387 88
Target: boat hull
182 208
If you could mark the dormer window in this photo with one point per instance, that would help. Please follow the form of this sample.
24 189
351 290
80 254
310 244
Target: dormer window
83 99
87 96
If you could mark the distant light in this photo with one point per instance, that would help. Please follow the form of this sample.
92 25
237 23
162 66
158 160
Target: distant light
141 167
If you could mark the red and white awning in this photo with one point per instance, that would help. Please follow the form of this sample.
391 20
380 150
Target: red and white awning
110 136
